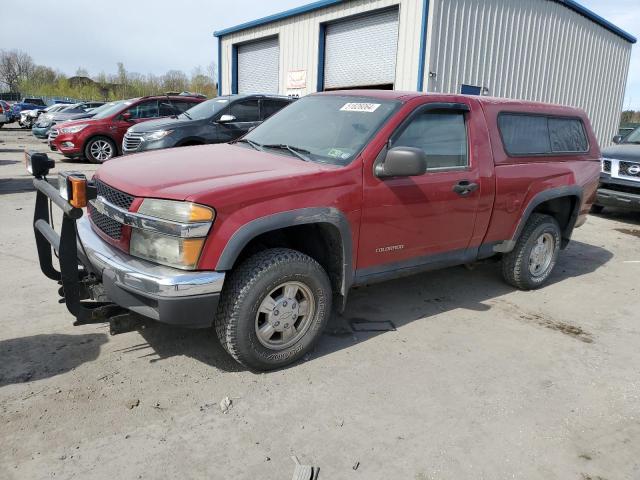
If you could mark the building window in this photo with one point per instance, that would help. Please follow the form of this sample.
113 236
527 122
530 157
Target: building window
470 90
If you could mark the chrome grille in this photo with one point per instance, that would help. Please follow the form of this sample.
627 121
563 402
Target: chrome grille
606 166
131 141
53 133
118 198
629 169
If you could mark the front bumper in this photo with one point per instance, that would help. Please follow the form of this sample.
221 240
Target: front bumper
41 132
164 294
59 144
618 193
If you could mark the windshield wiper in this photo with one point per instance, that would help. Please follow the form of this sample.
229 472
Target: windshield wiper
187 115
255 145
301 153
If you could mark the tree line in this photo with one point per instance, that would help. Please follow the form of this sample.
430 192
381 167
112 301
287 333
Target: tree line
630 116
19 73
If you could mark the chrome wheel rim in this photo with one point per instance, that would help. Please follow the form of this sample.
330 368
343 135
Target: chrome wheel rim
541 254
284 315
101 150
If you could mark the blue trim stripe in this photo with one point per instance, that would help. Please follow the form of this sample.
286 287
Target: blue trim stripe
219 66
234 69
571 4
423 44
321 46
278 16
576 7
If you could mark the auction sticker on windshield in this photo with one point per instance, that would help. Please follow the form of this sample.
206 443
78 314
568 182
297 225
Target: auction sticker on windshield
360 107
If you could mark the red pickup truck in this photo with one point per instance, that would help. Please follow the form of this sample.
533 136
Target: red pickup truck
262 236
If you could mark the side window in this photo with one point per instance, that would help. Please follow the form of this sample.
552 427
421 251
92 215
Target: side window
269 107
165 108
147 109
441 135
567 135
183 106
246 111
541 134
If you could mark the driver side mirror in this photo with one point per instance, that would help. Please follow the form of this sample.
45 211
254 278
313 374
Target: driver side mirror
618 139
402 162
226 118
126 116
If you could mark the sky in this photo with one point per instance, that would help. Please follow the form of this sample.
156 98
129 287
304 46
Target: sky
154 36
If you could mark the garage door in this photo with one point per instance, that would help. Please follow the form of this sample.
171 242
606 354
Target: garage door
361 52
258 66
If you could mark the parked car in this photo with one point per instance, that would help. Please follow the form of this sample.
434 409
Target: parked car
99 138
29 117
218 120
7 108
27 104
260 236
620 176
6 115
71 112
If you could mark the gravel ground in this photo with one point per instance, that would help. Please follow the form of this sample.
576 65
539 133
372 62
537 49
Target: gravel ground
478 381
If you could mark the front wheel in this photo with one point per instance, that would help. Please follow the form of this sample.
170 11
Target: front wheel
273 308
100 149
529 265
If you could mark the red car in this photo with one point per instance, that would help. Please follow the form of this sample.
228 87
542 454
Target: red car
262 236
99 138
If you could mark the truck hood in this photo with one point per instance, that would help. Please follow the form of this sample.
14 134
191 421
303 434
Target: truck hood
623 151
209 171
161 124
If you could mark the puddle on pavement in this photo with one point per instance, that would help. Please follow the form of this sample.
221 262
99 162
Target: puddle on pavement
629 231
571 330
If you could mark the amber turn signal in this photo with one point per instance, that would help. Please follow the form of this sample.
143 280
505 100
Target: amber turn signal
73 188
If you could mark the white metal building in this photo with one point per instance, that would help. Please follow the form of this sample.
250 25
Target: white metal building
545 50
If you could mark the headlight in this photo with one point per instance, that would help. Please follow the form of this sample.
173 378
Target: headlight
157 135
73 129
182 212
173 251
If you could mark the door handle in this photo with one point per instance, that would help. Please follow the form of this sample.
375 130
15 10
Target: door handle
464 187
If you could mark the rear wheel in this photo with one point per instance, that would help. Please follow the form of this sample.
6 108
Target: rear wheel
529 265
273 308
100 149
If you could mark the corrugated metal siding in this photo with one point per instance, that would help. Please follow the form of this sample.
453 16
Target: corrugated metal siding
258 66
362 51
299 42
532 50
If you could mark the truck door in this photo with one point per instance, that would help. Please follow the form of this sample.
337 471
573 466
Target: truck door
412 221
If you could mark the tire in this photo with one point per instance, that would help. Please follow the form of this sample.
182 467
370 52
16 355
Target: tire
243 324
1 125
100 150
519 265
597 208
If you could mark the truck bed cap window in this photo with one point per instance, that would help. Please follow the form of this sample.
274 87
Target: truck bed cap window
524 134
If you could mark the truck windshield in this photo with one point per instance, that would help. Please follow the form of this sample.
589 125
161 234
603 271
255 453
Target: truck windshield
205 109
633 137
325 128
